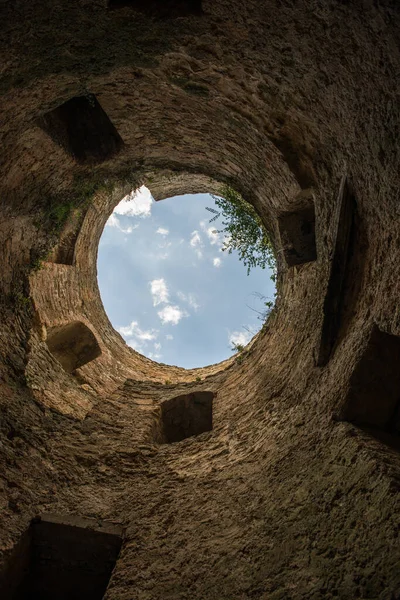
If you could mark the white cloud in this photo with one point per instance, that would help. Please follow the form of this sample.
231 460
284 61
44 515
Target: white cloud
148 335
113 221
240 337
196 243
133 330
215 238
138 338
165 245
161 251
212 234
162 231
127 331
195 240
190 299
136 204
159 291
217 262
156 355
169 337
135 344
171 314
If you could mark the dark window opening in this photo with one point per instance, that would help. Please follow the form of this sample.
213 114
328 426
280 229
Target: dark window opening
373 400
344 222
187 415
297 230
161 9
73 345
83 129
61 559
66 249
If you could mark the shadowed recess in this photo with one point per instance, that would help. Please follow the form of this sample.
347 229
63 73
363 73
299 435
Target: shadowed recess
297 230
83 129
373 399
61 559
73 345
187 415
333 304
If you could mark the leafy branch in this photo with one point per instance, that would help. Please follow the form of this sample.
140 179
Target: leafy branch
244 231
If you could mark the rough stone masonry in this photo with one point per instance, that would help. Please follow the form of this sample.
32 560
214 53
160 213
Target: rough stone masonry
289 487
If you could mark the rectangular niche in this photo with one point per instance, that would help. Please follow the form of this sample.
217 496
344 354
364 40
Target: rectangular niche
373 399
83 129
65 252
162 9
187 415
73 345
297 231
344 223
62 559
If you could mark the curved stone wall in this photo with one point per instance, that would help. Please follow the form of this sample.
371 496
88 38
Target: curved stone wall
296 106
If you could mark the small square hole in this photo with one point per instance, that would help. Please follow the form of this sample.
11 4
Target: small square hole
297 231
62 559
83 129
373 399
187 415
73 345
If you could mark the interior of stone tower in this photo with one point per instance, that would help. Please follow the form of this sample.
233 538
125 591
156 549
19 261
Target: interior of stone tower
272 477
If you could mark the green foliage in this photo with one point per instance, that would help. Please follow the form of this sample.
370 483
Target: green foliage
237 347
244 231
241 353
22 301
198 378
58 209
267 306
57 213
36 264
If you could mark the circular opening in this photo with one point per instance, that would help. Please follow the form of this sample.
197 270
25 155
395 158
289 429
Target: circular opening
169 287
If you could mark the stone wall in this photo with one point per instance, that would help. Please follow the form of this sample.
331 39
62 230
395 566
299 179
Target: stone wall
284 497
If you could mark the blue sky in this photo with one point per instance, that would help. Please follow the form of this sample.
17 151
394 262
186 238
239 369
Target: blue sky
167 286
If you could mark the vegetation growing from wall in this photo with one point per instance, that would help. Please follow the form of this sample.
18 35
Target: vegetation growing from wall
58 209
244 231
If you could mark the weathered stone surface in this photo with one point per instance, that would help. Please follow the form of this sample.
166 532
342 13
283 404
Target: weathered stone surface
343 220
297 234
62 558
187 415
278 500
